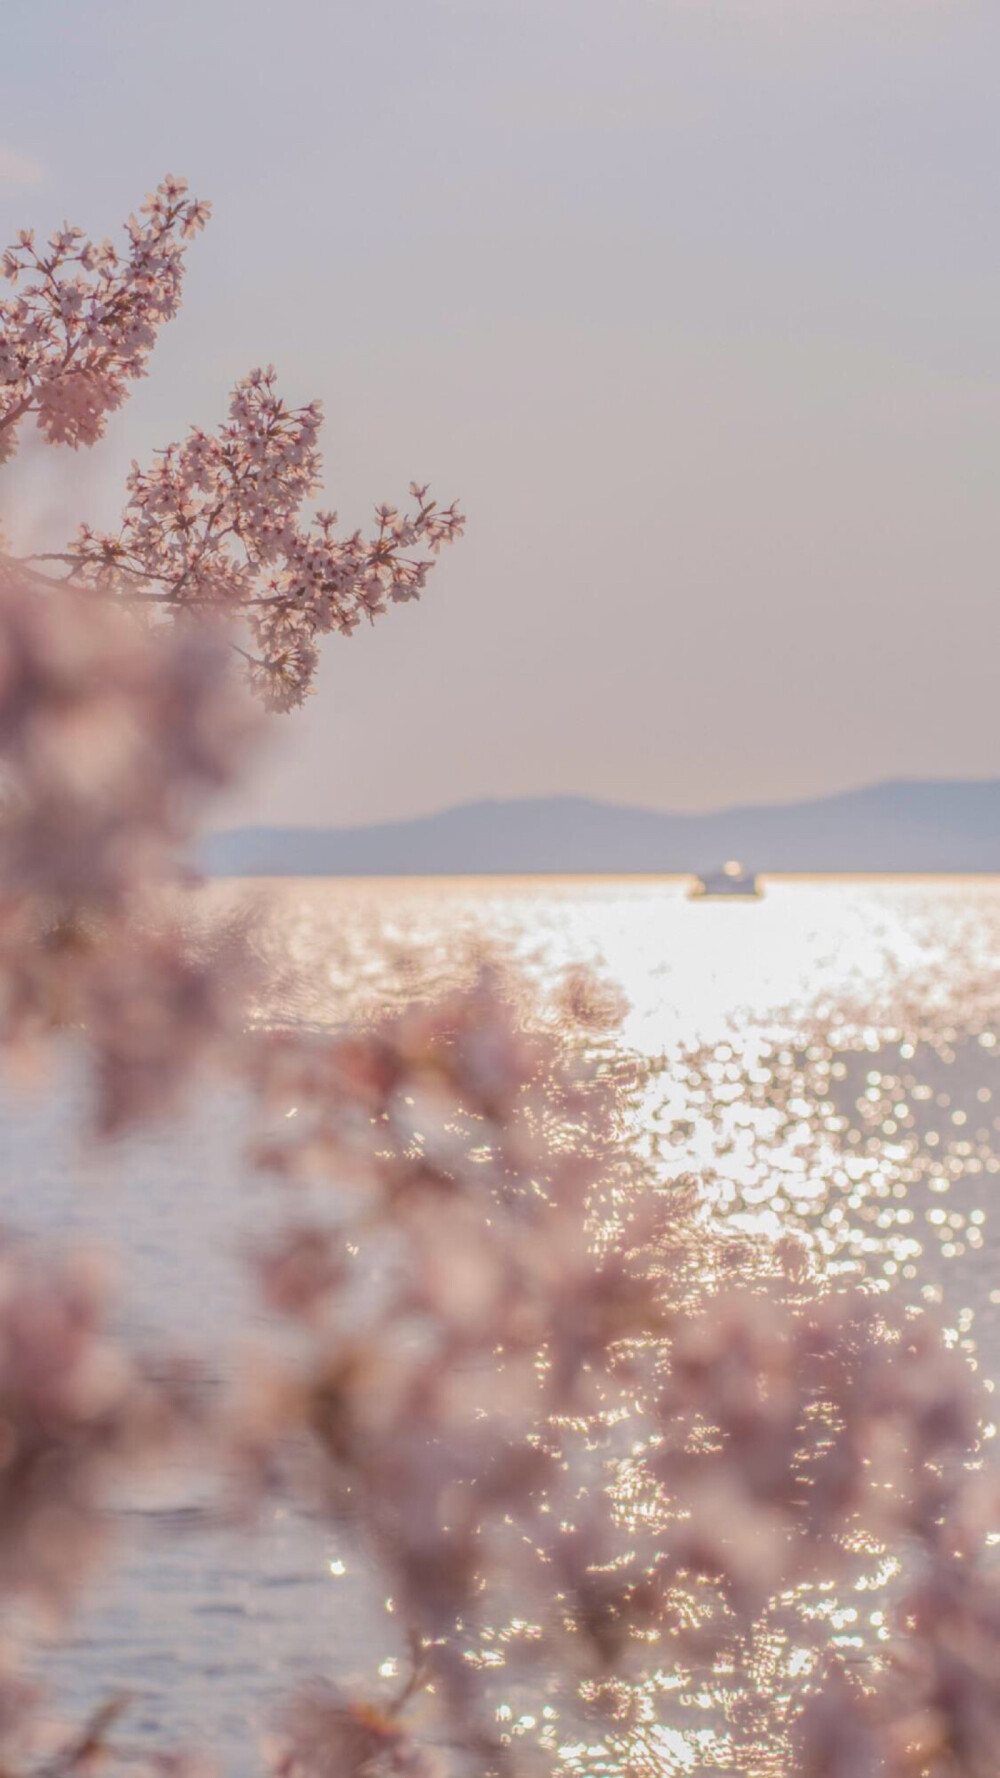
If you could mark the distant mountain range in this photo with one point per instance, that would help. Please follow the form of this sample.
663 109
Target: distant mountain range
901 826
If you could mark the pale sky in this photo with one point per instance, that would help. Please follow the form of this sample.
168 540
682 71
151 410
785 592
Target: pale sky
694 303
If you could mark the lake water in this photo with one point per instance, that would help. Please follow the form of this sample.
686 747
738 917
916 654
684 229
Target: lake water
825 1060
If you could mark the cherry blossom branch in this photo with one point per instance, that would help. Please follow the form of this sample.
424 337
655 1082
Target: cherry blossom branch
246 486
84 318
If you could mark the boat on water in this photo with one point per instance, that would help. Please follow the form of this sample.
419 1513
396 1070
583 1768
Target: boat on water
732 879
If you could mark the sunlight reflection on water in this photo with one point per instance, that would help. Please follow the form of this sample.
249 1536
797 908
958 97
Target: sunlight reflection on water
825 1060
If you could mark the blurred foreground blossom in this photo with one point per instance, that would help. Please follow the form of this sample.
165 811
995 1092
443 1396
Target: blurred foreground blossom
325 1735
76 1413
571 1446
113 737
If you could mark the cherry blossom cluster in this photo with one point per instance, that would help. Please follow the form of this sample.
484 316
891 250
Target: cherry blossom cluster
217 524
84 317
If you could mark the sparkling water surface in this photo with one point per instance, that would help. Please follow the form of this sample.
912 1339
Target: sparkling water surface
824 1060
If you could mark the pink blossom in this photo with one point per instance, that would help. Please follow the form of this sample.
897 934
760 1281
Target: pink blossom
84 318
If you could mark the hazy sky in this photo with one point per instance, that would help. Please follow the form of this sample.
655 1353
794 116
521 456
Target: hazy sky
696 305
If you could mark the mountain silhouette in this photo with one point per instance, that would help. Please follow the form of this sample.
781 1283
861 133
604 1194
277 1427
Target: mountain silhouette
898 826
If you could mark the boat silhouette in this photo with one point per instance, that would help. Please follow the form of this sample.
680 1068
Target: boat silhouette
732 879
